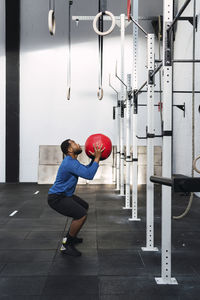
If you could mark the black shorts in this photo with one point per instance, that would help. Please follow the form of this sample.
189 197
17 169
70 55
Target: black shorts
72 206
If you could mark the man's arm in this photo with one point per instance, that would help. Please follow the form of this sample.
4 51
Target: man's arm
87 166
87 172
83 171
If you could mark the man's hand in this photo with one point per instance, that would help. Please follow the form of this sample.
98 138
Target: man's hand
97 152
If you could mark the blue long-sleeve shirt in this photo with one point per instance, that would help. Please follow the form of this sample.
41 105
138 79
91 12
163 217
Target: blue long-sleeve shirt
68 173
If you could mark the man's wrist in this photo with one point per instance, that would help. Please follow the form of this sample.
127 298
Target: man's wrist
97 160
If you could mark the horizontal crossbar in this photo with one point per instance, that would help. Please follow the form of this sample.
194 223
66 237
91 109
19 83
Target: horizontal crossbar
179 183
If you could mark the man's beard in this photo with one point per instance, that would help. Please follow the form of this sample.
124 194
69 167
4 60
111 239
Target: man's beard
78 151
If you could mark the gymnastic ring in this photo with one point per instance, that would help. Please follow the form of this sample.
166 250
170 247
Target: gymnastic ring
68 93
52 22
111 27
194 164
100 94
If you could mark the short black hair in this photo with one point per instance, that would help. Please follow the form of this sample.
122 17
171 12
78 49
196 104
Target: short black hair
64 146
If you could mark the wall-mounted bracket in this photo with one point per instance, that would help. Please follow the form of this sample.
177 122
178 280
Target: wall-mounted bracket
191 21
182 107
135 101
151 77
122 109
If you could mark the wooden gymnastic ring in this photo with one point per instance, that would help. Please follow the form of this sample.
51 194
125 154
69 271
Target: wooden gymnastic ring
100 94
52 22
194 164
111 27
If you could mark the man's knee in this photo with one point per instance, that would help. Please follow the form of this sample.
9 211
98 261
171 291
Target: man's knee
81 219
84 217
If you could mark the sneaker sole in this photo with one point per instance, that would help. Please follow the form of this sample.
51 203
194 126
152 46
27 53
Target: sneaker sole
63 250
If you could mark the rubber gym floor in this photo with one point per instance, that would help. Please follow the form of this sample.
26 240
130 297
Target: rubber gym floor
112 265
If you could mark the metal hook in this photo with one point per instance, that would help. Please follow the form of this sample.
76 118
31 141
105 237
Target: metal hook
138 25
120 80
113 87
77 22
119 77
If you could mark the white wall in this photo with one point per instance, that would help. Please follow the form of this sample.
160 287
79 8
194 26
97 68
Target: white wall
46 117
183 81
2 90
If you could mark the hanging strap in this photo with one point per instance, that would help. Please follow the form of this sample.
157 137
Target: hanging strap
100 42
69 52
101 8
129 9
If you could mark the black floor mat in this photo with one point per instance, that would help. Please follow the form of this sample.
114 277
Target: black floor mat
112 265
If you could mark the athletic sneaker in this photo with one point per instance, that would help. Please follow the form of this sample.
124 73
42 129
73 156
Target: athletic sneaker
69 249
75 240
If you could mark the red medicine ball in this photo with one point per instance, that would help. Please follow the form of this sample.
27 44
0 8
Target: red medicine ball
99 139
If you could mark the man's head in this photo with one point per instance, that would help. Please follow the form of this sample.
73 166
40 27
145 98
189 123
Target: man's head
70 147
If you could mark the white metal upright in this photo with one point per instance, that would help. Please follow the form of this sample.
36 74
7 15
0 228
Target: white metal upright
134 216
122 98
150 147
118 114
128 141
167 147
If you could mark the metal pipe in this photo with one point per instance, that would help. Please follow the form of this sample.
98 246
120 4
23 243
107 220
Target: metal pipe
161 180
167 151
193 87
181 61
116 75
157 69
122 18
138 25
186 61
118 137
193 111
134 114
139 90
186 92
107 18
176 92
128 142
160 73
150 148
112 86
